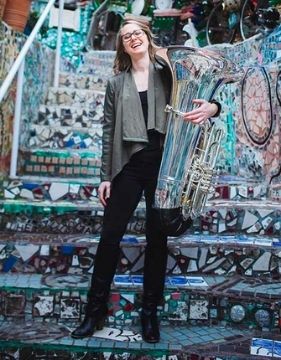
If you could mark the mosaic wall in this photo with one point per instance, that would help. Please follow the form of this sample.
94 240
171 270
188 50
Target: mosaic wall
9 47
225 272
37 78
252 109
73 42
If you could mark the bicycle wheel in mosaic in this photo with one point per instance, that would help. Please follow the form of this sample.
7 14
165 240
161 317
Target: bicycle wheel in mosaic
278 88
222 25
248 19
256 103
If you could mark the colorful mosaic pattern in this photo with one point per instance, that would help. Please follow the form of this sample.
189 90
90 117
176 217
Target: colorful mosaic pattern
225 272
37 77
188 300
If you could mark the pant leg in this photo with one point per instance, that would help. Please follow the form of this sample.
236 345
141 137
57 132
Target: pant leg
156 251
125 195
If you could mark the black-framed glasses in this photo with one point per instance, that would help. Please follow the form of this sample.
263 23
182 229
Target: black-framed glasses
128 36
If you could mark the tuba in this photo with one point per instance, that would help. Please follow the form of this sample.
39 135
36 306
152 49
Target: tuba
186 175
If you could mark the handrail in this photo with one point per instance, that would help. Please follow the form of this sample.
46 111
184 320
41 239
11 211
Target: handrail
18 67
14 69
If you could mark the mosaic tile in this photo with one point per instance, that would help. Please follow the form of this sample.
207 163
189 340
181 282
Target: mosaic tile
66 96
65 138
14 305
31 332
84 81
43 305
27 251
66 281
70 308
64 116
198 309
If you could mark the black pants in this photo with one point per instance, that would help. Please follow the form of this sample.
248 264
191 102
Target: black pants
138 176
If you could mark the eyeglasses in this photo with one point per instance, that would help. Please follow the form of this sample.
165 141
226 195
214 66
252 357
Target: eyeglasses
128 36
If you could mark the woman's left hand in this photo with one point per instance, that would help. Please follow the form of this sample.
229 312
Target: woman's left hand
203 112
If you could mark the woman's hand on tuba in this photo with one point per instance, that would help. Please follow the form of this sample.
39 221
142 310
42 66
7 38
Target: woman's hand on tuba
203 112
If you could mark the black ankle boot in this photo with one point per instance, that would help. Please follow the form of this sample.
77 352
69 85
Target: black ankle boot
150 326
94 320
96 309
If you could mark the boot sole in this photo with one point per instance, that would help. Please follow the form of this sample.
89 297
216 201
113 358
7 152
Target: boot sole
151 341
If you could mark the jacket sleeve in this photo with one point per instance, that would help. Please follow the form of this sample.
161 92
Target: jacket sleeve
219 108
108 133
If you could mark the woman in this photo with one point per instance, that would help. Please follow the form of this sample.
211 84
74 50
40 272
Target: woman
133 134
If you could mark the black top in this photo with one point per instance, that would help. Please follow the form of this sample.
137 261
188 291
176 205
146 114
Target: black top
153 135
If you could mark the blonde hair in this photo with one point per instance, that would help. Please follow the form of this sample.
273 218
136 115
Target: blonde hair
122 61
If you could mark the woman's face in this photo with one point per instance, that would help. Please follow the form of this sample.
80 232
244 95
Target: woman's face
134 40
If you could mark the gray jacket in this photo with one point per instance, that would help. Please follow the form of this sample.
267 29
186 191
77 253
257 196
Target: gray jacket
124 130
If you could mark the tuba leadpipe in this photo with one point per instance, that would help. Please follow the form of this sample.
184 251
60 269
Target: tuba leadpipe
186 175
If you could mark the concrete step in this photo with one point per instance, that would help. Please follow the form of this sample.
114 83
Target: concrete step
94 80
209 300
44 137
95 60
73 116
40 197
75 97
68 163
177 343
189 240
188 256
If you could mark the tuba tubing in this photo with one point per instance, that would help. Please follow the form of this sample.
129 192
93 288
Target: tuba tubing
186 175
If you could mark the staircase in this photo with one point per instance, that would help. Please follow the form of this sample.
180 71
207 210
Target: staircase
223 287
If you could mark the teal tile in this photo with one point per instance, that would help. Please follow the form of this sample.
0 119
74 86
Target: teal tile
120 345
134 345
147 346
93 343
196 340
107 344
66 341
80 342
175 347
186 342
162 346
